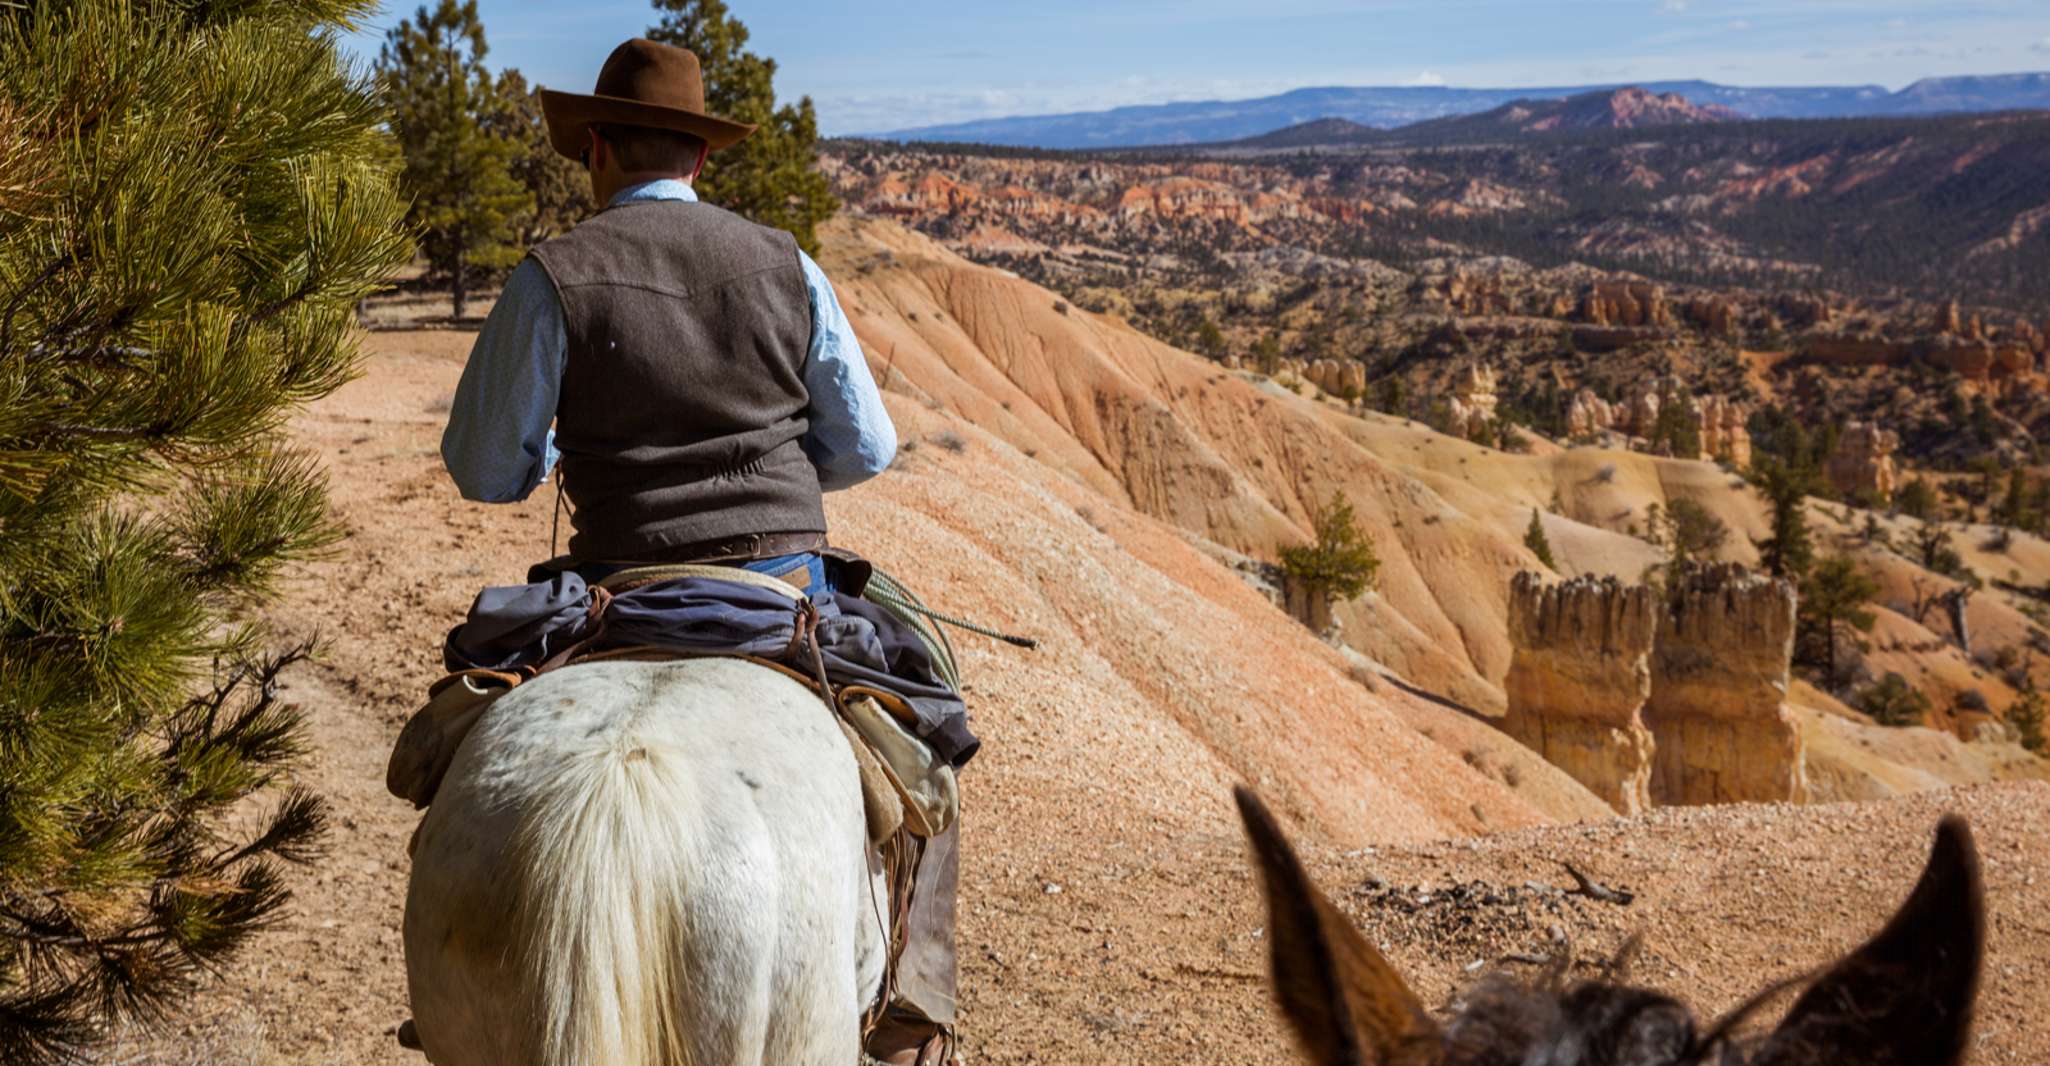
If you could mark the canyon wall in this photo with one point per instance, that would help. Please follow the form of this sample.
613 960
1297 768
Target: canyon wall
1578 680
1719 670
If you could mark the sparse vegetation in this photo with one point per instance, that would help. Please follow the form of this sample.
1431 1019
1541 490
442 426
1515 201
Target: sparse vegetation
1892 701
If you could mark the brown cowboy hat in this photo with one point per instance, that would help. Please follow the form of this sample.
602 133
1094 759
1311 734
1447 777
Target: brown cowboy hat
643 83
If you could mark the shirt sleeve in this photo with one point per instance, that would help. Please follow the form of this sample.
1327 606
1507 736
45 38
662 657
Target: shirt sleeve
498 445
851 437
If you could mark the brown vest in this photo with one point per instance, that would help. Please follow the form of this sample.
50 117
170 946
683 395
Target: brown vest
683 398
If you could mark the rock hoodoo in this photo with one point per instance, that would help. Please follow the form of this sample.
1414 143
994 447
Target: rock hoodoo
1719 422
1589 415
1339 377
1723 433
1717 714
1644 700
1473 400
1862 463
1626 303
1579 676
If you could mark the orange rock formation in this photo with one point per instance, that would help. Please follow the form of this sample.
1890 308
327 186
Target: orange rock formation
1719 672
1863 461
1579 678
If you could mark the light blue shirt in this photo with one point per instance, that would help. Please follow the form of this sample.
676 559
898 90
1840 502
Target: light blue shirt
499 445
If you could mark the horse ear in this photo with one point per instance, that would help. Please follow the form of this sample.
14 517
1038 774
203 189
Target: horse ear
1346 1004
1905 997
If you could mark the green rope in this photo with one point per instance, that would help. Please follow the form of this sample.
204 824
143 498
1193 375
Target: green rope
905 604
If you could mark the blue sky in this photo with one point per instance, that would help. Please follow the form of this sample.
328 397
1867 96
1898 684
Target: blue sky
878 66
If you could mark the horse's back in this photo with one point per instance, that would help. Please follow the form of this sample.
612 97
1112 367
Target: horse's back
642 863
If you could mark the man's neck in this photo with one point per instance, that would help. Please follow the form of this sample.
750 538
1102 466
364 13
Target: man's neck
628 181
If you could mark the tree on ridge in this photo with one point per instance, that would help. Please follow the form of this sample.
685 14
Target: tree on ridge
772 177
458 166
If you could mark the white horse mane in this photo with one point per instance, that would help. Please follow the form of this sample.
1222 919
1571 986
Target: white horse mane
646 864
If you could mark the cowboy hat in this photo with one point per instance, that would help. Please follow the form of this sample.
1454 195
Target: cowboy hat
643 83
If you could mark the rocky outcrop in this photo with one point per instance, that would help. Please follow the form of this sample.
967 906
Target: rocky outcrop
1589 414
1724 435
1468 295
1713 315
1339 377
1863 461
1474 400
1626 303
1720 729
1719 422
1579 675
1802 312
1644 699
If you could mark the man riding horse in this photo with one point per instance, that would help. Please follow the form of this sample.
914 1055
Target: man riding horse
704 388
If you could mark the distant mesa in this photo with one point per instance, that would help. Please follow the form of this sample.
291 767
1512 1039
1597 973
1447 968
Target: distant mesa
1627 108
1390 107
1630 107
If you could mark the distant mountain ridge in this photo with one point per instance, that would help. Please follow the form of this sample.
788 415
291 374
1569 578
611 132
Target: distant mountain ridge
1606 109
1214 121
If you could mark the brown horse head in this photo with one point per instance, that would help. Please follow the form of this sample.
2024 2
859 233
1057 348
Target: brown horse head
1904 997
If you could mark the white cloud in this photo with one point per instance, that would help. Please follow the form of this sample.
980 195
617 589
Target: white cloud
2042 46
1427 78
1673 7
1739 25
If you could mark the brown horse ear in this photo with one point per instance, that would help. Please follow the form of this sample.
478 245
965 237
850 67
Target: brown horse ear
1346 1004
1905 997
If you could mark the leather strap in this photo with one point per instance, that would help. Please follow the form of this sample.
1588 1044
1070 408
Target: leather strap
745 548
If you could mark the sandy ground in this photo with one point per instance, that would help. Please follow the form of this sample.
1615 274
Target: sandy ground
1107 913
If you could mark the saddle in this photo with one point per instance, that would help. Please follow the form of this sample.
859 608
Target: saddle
905 785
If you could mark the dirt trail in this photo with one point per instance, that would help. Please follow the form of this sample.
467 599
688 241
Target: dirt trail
1107 912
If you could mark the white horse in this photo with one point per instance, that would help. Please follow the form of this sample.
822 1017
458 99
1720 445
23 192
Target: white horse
647 864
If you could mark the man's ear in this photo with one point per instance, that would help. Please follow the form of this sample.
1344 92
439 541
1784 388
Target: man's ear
1905 997
1346 1004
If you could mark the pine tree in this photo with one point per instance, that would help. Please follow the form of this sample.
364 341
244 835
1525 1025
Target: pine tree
1341 562
1833 595
191 203
1534 539
458 168
559 189
772 177
1789 552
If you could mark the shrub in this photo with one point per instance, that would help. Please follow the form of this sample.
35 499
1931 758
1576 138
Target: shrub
1892 701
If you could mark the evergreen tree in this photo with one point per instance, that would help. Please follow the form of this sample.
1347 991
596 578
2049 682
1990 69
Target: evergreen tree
1833 595
1341 562
772 177
1916 500
1534 539
191 203
1788 552
458 168
1674 432
558 188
